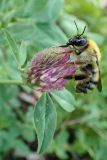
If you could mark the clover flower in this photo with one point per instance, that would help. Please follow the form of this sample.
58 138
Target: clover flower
49 67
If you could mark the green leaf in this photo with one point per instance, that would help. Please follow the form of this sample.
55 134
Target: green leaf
98 38
65 99
34 34
59 145
45 121
66 23
23 53
21 148
12 45
43 11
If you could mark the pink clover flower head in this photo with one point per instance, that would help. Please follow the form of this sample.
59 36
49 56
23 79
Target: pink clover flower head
49 67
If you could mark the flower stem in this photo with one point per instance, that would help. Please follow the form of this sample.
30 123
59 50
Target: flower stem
11 82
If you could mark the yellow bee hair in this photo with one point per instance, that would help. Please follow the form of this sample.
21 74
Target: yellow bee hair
92 46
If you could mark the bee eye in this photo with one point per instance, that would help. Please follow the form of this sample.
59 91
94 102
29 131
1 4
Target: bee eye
80 42
77 41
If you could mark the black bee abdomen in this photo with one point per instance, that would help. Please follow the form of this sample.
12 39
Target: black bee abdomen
85 87
81 89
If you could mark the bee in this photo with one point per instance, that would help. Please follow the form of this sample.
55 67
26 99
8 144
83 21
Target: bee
88 56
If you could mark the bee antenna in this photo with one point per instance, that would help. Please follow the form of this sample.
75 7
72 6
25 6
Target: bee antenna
83 31
76 27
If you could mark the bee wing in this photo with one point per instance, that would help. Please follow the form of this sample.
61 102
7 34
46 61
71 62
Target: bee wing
99 84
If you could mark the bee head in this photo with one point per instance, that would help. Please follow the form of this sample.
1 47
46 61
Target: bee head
79 40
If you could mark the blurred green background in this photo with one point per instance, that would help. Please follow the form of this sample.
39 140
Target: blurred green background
80 135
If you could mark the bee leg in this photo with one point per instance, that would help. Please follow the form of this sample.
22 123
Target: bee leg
80 88
82 85
85 75
77 77
90 86
85 84
67 51
87 68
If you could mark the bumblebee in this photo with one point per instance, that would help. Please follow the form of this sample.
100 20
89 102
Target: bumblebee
88 57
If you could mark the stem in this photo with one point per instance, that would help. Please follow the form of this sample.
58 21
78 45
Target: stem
11 82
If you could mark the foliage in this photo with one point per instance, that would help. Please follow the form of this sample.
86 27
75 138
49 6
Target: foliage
35 25
45 118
